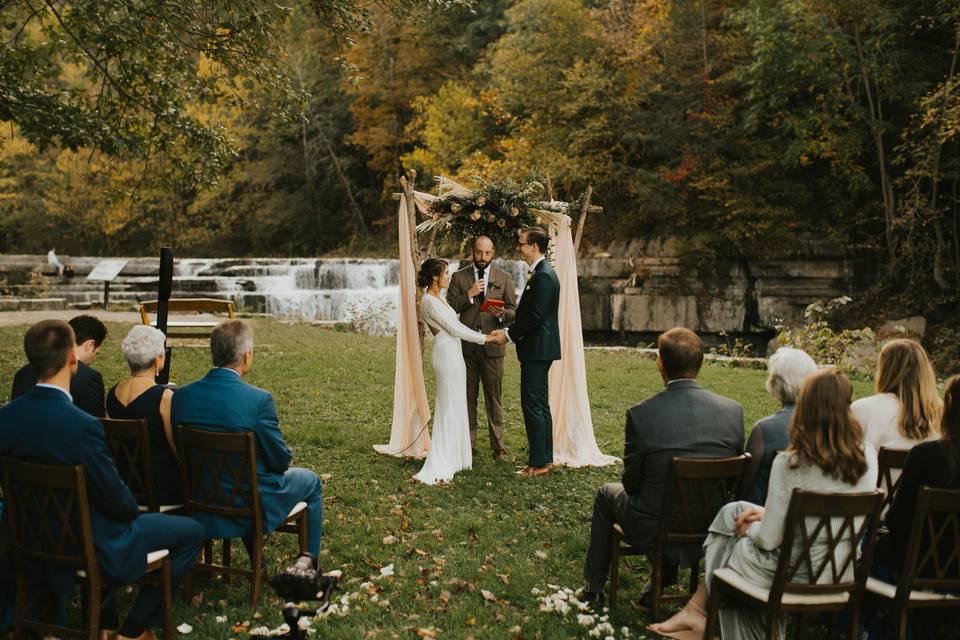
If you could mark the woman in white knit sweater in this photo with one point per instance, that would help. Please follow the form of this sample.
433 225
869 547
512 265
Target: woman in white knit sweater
827 454
906 408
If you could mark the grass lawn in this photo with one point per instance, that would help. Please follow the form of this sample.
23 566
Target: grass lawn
490 531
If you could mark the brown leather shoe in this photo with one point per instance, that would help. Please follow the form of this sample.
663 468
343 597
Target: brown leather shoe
541 471
525 471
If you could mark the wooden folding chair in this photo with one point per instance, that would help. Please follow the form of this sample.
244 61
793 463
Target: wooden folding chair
220 478
890 463
49 514
833 583
129 444
695 490
931 570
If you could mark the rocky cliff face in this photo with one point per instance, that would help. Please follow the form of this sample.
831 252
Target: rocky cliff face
648 286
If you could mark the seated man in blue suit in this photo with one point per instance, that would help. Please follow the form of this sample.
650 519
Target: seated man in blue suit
45 426
222 401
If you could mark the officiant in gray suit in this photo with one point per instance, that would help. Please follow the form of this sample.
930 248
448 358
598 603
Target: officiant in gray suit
469 288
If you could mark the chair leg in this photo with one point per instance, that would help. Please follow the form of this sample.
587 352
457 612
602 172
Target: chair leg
773 628
853 621
833 626
302 533
656 587
256 563
208 552
227 549
801 626
166 598
901 617
614 568
93 609
713 610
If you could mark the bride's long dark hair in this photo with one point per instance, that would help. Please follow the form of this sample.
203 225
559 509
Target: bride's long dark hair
430 268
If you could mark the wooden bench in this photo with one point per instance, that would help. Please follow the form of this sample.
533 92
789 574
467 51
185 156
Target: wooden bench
189 328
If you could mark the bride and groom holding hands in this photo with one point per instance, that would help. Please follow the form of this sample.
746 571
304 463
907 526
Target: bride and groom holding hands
469 347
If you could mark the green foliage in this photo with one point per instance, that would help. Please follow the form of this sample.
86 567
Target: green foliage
735 348
853 350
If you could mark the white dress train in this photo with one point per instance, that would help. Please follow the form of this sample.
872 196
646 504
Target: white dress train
450 441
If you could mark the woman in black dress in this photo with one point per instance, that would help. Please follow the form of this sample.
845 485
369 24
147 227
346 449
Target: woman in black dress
140 397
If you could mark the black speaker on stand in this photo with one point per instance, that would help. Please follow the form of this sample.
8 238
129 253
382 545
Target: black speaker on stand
165 286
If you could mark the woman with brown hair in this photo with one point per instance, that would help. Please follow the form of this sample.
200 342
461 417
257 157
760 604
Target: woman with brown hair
827 454
906 408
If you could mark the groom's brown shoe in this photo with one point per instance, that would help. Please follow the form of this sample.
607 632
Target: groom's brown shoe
541 471
525 471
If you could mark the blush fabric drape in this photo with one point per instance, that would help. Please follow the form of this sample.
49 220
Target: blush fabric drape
411 409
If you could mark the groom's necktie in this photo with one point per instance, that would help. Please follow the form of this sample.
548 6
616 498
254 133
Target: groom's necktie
480 296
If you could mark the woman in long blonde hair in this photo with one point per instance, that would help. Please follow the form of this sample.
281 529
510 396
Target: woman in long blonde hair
906 408
827 454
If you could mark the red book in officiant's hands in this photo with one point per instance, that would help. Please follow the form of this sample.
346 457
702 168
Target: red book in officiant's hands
489 304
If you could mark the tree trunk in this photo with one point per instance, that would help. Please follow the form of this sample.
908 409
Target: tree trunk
360 226
875 119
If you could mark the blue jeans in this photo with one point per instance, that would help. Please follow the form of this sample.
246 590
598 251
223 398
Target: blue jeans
182 537
305 484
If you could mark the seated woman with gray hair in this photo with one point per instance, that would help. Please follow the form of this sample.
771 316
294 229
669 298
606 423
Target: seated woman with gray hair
786 370
139 397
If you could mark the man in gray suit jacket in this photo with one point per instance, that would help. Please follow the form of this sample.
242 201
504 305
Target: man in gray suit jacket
469 288
684 420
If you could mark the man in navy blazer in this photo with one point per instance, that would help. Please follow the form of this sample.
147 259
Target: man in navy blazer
45 426
222 401
86 385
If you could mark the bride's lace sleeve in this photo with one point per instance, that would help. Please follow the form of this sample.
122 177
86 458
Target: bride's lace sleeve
433 313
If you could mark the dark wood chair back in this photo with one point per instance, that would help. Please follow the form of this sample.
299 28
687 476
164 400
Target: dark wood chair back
695 491
828 522
933 550
219 473
129 444
49 521
888 461
49 514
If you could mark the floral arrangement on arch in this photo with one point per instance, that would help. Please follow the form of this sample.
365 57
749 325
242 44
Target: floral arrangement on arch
494 209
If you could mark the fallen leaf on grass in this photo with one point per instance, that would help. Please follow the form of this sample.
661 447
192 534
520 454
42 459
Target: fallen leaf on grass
325 476
504 578
389 539
427 632
420 552
445 597
184 628
540 554
387 570
488 596
460 584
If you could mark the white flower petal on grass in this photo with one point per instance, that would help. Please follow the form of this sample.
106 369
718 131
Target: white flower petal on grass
221 619
184 628
387 570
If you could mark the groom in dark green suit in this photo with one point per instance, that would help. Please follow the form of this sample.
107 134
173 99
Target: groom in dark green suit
537 335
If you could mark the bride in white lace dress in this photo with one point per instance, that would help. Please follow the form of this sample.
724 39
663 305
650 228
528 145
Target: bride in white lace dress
450 441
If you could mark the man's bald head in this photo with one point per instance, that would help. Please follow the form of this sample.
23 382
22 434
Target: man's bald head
483 252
